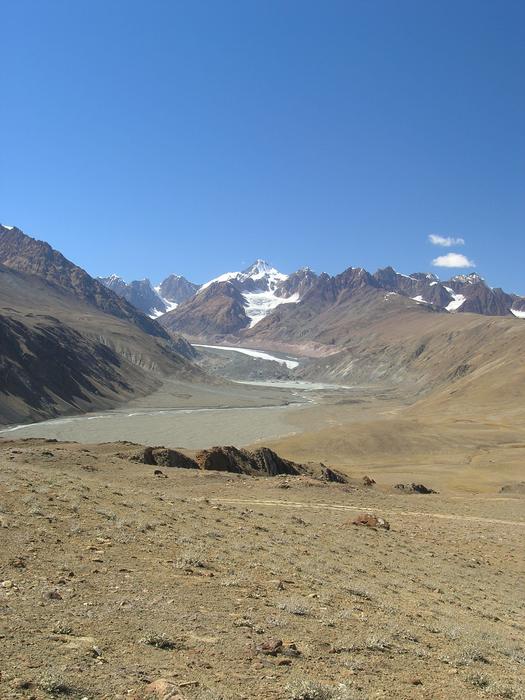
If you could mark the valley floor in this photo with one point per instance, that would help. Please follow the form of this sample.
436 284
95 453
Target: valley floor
360 430
113 577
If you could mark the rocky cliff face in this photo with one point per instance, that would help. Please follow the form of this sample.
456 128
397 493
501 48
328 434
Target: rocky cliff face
140 293
257 295
177 289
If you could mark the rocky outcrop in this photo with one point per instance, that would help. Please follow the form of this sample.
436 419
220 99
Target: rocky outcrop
164 457
227 458
414 488
261 462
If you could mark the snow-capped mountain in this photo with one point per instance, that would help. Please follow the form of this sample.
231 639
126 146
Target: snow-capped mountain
262 288
140 293
238 301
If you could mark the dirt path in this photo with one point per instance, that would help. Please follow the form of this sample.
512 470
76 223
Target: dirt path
357 507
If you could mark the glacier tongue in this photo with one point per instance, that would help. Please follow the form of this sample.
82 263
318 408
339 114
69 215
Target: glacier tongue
259 304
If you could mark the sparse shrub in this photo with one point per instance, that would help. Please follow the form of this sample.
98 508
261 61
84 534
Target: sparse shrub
109 515
377 644
191 559
189 562
469 656
62 628
55 685
478 680
207 694
312 690
161 641
295 606
359 593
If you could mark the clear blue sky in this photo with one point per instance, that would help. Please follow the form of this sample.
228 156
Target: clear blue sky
152 137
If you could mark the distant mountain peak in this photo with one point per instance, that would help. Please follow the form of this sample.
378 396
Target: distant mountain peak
259 267
472 278
113 278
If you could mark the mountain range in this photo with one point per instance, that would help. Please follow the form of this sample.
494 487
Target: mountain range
72 343
238 301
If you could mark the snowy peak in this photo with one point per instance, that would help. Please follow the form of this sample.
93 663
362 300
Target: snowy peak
260 272
139 293
472 278
259 268
261 286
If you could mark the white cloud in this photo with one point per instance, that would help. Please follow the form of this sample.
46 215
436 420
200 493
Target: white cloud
453 260
446 242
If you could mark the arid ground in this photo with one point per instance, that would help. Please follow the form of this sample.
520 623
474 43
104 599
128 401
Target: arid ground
113 577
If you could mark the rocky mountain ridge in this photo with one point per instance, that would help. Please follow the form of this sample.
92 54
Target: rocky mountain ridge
25 254
260 289
260 293
67 343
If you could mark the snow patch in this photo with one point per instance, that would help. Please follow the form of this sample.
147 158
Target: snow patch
259 304
115 278
9 228
419 300
170 306
291 364
518 313
456 302
408 277
226 277
263 299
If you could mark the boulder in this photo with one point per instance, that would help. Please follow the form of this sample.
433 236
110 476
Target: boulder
373 521
164 457
414 488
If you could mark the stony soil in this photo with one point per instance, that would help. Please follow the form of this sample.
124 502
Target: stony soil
113 577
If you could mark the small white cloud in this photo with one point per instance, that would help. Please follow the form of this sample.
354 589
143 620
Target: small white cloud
445 241
453 260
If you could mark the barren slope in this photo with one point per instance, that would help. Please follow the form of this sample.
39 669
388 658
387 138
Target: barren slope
60 354
113 577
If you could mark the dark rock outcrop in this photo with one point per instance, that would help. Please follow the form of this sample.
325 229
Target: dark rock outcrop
227 458
414 488
164 457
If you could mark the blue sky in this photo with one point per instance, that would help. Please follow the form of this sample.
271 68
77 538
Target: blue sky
152 137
